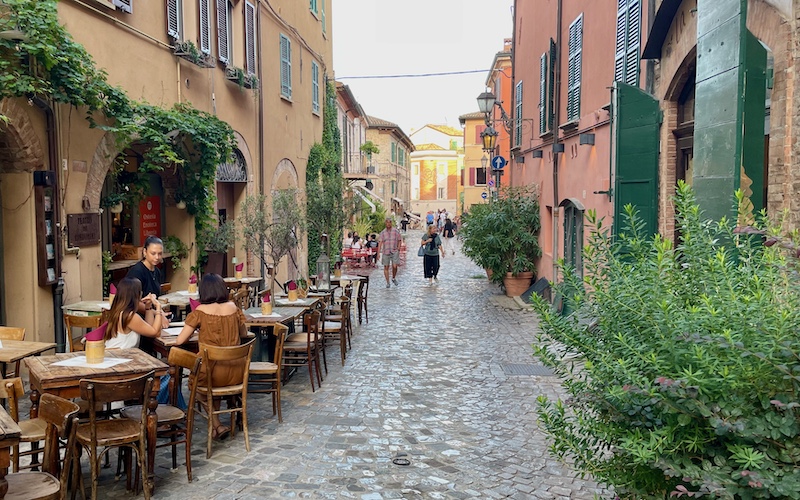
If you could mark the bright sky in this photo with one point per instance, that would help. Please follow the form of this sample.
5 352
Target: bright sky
379 37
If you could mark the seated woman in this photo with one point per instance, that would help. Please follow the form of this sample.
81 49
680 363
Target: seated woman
125 326
221 323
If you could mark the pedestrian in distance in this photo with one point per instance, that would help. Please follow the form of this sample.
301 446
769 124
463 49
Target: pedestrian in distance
404 222
449 237
389 249
429 218
432 244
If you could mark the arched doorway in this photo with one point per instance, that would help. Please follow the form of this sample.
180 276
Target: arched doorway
231 186
573 211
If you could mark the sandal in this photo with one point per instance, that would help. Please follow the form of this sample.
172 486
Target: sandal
220 432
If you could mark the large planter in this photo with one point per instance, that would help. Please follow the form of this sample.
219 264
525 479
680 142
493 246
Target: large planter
489 273
516 285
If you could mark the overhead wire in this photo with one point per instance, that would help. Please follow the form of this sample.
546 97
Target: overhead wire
412 75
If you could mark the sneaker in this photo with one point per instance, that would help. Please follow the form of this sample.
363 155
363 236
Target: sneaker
394 281
436 279
388 285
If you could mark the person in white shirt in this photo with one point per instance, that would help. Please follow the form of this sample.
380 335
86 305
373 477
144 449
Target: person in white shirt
125 326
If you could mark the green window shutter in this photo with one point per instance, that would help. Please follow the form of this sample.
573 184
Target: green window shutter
324 26
551 87
543 94
313 6
620 45
633 36
286 67
636 119
314 87
574 65
518 115
394 152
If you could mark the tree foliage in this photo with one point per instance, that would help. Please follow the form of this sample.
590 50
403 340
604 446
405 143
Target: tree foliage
682 363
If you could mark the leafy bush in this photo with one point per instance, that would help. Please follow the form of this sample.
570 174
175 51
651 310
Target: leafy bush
682 363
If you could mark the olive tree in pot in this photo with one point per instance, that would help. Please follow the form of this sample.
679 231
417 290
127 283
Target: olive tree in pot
216 241
502 236
271 230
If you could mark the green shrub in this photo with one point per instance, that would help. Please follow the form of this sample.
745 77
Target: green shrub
681 364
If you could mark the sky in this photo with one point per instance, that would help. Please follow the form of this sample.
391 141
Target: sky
382 37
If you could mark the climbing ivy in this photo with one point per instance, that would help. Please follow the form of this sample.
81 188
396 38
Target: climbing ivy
51 64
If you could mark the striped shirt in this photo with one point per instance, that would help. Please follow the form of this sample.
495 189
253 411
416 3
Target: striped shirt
389 240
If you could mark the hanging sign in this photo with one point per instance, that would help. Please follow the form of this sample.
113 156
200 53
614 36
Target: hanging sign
149 217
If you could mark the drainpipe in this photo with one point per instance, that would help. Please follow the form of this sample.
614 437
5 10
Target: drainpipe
556 109
52 158
264 268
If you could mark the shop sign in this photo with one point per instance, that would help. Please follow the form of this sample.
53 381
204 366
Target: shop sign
82 229
149 217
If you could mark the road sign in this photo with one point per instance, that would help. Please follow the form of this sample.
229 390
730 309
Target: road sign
498 162
490 183
484 195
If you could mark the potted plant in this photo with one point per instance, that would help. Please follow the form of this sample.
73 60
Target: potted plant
302 288
216 241
503 237
176 249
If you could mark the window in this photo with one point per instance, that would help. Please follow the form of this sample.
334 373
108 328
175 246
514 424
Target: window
518 115
415 169
394 152
250 37
124 5
324 27
205 26
224 30
313 6
441 194
626 55
543 93
286 67
574 69
315 87
480 176
174 18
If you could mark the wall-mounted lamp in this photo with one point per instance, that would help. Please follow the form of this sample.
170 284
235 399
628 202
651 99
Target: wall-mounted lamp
538 153
586 139
181 205
558 147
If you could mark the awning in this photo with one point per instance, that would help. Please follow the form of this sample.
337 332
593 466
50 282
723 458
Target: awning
398 200
369 192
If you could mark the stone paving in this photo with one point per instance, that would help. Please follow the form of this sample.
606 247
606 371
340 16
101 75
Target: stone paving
424 381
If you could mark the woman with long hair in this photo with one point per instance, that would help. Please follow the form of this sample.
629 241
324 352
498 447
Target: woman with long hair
433 245
125 326
221 323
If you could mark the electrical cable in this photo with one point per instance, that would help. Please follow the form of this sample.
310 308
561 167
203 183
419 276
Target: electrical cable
419 75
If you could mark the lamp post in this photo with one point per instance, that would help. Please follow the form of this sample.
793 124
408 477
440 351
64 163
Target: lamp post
489 139
324 267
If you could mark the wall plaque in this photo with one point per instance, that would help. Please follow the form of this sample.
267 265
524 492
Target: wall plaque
83 229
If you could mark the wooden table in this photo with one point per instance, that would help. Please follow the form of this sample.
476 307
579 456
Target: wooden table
346 277
245 280
305 303
9 436
178 298
65 381
162 344
87 307
14 350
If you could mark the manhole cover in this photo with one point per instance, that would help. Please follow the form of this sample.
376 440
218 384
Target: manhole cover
539 370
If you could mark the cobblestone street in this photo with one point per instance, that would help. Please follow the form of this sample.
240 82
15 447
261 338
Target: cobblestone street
430 377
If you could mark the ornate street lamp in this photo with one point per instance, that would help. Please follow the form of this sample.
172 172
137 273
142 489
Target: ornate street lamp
324 267
486 103
489 139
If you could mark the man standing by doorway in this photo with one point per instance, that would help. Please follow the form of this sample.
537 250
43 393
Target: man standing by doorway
389 249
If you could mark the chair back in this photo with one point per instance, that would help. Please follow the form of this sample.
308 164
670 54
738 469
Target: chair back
363 289
108 391
12 333
11 389
63 415
241 297
345 305
280 331
165 288
178 360
211 354
311 325
83 322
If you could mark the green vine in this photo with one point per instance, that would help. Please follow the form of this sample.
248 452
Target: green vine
177 250
50 63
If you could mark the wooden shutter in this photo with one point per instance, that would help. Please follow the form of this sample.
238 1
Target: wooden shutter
286 67
472 176
205 26
551 86
173 19
314 87
324 26
574 69
394 152
632 42
223 46
250 37
543 93
621 41
518 115
478 131
636 119
124 5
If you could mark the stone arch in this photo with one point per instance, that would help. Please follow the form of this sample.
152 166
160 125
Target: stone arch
285 175
20 147
241 145
105 153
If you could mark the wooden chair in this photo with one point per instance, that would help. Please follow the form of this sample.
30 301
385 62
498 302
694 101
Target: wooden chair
211 355
337 330
265 377
165 288
85 323
241 297
175 424
302 349
60 417
335 313
361 299
11 333
33 430
124 433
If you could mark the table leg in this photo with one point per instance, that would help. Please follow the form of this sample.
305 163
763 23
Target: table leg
5 461
34 412
152 427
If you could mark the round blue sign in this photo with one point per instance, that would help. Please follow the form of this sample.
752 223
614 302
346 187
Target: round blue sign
498 162
484 195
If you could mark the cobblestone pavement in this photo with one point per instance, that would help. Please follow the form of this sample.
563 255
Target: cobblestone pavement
426 377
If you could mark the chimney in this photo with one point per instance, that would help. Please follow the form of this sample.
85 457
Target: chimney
507 45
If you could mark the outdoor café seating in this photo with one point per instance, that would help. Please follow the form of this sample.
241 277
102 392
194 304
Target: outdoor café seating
265 376
33 430
84 323
11 333
302 348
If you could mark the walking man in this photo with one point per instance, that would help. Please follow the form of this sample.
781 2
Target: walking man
389 249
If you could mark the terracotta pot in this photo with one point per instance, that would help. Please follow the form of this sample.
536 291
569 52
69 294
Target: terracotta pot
489 273
516 285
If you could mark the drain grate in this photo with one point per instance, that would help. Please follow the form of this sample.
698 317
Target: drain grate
539 370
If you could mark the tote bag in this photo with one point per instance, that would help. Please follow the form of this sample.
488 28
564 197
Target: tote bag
421 251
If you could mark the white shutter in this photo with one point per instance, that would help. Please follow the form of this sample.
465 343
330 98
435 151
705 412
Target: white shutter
619 45
518 115
250 37
105 3
223 47
173 19
286 67
124 5
574 69
205 26
314 87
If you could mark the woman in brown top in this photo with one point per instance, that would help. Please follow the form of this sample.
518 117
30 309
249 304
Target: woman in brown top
221 323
